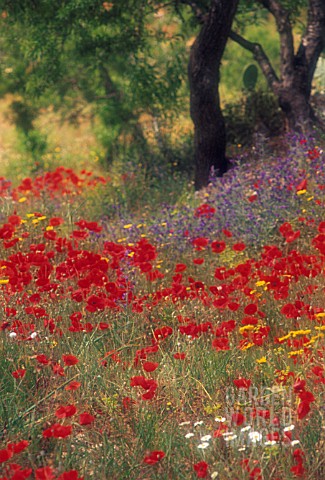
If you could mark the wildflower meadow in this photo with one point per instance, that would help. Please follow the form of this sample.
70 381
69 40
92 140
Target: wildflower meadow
179 342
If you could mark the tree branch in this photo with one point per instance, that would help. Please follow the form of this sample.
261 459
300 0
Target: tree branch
284 27
262 59
313 41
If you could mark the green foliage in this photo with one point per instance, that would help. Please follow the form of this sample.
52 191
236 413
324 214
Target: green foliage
250 77
258 111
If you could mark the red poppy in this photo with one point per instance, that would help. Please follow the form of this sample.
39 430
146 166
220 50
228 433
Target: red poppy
154 457
74 385
306 396
303 409
221 343
239 247
55 221
302 185
180 267
179 356
227 233
238 418
65 411
20 373
204 210
321 227
243 383
218 247
43 359
198 261
263 413
58 431
293 236
44 473
50 235
71 475
15 220
298 455
249 321
255 474
274 436
58 370
298 470
163 332
250 309
69 360
150 366
201 469
200 243
80 234
86 418
5 454
19 446
285 229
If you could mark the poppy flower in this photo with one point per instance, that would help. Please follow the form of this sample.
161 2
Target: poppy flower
154 457
150 366
198 261
200 243
303 409
243 383
302 185
44 473
71 475
57 431
250 309
86 418
18 447
74 385
298 470
227 233
43 359
56 221
299 385
179 356
5 454
201 469
58 370
20 373
65 411
238 418
239 247
69 360
221 343
204 210
163 332
218 247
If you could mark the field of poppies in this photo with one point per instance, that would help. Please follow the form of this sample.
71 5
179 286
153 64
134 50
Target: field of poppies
181 343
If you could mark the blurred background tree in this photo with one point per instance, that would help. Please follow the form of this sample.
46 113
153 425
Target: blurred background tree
124 65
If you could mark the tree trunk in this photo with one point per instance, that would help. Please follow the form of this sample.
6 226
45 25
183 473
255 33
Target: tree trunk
203 72
297 109
297 70
293 87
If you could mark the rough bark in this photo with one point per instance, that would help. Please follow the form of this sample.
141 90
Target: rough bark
203 72
297 70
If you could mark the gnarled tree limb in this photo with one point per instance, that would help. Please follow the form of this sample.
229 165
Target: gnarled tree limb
261 58
284 27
